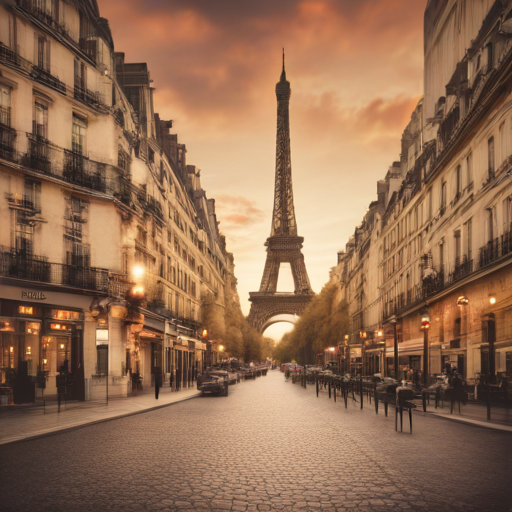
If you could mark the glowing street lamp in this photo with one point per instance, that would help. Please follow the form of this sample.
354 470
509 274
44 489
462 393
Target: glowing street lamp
138 272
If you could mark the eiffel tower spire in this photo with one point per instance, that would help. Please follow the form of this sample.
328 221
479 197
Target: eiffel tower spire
283 244
283 218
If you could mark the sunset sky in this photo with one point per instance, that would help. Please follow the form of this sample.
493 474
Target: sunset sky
356 73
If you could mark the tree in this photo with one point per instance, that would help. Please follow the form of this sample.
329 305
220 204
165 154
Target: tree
322 324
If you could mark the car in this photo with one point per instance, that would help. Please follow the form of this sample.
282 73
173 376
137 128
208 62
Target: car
213 384
231 376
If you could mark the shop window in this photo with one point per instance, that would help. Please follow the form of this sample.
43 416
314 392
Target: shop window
26 310
60 314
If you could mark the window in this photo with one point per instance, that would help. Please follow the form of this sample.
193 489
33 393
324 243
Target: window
457 247
32 197
80 71
469 239
507 214
443 197
40 126
43 53
79 135
458 183
490 155
503 143
469 169
490 57
5 105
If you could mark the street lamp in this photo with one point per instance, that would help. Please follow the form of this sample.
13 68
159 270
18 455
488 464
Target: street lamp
362 335
425 326
395 347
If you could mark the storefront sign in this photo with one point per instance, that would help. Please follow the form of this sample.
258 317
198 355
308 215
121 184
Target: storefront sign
101 337
33 295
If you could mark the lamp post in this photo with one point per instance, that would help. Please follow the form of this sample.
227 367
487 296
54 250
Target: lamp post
395 347
425 326
362 336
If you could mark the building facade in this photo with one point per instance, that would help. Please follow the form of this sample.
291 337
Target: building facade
443 238
108 241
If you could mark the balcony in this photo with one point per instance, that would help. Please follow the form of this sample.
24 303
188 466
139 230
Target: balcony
9 56
489 252
8 143
45 77
80 170
38 269
39 155
91 98
461 270
23 203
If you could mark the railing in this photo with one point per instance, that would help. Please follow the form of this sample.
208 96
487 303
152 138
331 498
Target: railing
489 252
24 202
9 56
44 76
80 170
34 268
39 155
90 97
49 159
118 285
7 142
461 270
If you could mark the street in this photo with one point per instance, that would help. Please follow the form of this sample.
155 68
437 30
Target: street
269 445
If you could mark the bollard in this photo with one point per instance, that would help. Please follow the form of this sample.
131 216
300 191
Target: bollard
425 401
334 389
361 395
329 385
386 407
376 400
316 386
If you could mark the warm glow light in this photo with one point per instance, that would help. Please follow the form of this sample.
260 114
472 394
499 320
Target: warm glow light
60 327
138 271
380 334
11 349
346 337
138 290
331 349
221 348
462 301
45 361
29 350
492 300
204 333
61 346
26 310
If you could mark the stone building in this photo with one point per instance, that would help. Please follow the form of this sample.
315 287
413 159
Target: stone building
444 241
107 240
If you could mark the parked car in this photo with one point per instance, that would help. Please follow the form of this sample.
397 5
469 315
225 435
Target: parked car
212 384
232 377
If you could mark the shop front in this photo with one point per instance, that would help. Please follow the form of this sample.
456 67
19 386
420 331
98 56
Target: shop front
39 341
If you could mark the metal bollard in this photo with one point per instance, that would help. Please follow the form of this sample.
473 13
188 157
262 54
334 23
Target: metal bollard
316 386
334 388
376 400
425 400
329 385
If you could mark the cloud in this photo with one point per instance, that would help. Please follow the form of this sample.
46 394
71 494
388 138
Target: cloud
237 211
356 73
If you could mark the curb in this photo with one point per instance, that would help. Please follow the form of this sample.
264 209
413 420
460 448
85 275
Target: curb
29 437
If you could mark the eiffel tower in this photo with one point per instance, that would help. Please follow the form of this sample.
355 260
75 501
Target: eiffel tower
283 244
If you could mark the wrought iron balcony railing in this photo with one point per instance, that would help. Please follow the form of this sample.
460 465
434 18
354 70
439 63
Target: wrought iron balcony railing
36 268
45 77
7 143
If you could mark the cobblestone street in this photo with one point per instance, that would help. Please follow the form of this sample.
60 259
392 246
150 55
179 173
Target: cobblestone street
269 445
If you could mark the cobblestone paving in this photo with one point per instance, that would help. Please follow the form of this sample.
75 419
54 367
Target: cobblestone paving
269 445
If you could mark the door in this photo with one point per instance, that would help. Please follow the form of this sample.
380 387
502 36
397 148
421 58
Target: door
77 363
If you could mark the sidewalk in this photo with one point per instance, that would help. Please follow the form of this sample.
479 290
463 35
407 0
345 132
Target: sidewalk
21 423
473 414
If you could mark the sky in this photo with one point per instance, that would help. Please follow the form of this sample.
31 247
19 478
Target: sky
356 74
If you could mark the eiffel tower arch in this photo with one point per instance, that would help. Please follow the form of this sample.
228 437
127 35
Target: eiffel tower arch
284 245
